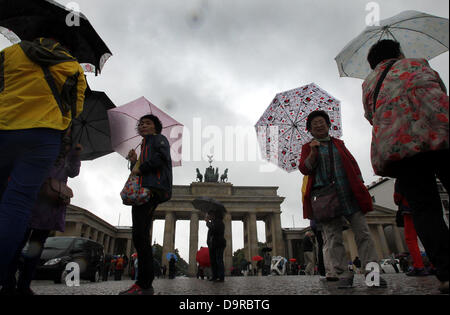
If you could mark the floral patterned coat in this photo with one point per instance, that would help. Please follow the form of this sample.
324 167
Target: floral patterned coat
411 116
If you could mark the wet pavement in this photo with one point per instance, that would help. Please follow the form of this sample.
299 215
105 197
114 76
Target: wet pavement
398 284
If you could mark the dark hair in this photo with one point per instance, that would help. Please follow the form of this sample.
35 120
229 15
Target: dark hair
156 121
317 113
383 50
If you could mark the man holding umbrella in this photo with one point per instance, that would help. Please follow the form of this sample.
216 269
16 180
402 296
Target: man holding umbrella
216 244
41 89
215 212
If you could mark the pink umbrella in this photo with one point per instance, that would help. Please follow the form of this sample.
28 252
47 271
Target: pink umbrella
123 124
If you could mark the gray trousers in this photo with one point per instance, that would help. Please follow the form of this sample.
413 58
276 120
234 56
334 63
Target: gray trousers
310 263
334 243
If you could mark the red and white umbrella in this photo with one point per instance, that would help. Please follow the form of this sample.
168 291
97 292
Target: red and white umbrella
123 122
281 130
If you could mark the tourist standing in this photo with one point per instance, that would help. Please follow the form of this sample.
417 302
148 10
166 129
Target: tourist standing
407 104
154 168
216 244
326 160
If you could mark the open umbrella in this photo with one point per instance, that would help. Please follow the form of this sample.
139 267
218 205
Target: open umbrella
202 257
292 260
266 249
420 35
123 121
208 204
281 130
257 258
27 20
170 255
91 127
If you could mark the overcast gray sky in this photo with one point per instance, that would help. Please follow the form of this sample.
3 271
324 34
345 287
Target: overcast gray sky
223 61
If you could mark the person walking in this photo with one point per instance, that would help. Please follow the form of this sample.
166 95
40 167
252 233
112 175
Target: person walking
119 267
267 264
318 160
216 244
154 168
308 253
47 215
172 268
404 219
407 105
32 123
357 264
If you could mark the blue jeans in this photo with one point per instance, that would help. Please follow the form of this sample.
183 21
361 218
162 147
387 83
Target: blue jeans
26 157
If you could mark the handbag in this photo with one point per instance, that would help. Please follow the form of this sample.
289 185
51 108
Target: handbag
325 201
56 192
133 194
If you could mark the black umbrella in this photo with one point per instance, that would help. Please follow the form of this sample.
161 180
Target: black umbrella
266 249
46 18
207 204
91 128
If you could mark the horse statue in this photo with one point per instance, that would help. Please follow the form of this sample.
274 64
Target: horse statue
224 176
199 176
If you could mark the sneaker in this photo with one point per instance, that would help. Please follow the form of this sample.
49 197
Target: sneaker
345 283
137 290
417 272
443 288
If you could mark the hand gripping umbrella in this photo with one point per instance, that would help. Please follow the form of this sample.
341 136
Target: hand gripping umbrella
91 127
123 121
28 20
420 36
282 130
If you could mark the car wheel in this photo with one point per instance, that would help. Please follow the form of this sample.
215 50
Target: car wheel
61 278
96 276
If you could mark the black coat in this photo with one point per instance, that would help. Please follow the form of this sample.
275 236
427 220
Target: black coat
216 232
156 166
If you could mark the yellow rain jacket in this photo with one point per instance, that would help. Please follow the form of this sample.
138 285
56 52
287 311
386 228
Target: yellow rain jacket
26 99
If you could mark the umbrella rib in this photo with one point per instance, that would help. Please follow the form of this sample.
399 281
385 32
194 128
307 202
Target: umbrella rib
356 50
98 130
416 18
405 28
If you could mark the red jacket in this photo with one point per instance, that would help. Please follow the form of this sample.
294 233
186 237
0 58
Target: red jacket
353 175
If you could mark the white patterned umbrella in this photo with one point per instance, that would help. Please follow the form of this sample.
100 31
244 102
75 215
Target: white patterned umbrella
282 130
420 36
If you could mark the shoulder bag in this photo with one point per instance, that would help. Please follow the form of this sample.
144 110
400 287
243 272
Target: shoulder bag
324 201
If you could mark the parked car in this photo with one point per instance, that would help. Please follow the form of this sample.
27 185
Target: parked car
387 267
59 251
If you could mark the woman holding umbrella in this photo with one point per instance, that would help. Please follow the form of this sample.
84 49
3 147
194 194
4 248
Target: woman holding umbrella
154 168
216 244
332 168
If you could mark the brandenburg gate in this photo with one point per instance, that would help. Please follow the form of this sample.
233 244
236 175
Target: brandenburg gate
248 204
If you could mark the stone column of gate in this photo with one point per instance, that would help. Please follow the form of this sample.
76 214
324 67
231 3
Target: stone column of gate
383 241
252 236
268 226
277 235
193 244
228 254
169 237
